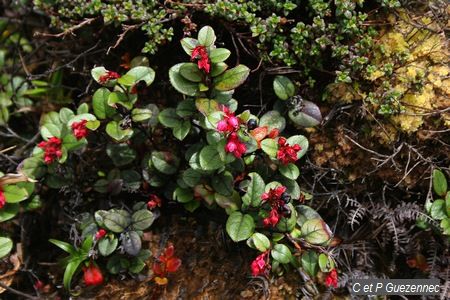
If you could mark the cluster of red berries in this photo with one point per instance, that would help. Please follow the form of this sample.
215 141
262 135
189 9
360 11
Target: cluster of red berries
52 149
287 154
277 200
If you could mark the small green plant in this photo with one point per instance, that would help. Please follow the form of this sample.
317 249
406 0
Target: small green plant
301 112
439 209
115 234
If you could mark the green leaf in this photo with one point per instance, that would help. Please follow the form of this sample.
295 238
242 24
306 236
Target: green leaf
300 140
259 241
116 220
209 158
186 108
307 114
305 213
183 195
106 245
270 147
229 203
182 130
254 190
316 232
120 154
50 130
447 203
232 78
64 246
117 264
83 109
71 268
81 117
138 262
6 245
142 219
165 162
14 193
438 211
219 55
445 225
309 262
188 45
122 99
273 120
191 72
140 73
141 114
326 264
100 104
191 177
206 36
223 183
113 130
169 118
181 84
283 87
289 171
439 182
131 243
192 206
240 227
206 106
281 253
71 143
217 69
9 211
65 114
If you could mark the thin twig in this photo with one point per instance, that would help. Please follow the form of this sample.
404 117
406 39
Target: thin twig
14 291
67 31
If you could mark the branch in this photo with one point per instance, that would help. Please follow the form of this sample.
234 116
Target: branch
69 30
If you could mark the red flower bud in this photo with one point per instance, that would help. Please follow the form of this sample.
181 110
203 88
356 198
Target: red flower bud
100 234
92 275
332 278
52 149
154 201
79 129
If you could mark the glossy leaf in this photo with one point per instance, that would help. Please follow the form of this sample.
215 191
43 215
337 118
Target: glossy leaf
239 226
219 55
231 78
310 262
273 120
142 219
100 104
283 87
254 190
439 182
206 36
181 84
106 245
281 253
6 245
316 232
